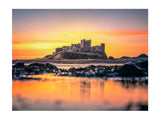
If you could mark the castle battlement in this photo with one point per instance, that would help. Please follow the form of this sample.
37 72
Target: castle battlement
84 46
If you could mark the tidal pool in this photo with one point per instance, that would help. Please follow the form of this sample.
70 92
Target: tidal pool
77 93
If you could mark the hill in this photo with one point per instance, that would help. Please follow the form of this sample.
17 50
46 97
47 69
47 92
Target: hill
75 55
124 57
142 56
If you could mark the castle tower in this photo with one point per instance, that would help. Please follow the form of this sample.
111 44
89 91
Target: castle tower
88 43
85 43
82 43
103 47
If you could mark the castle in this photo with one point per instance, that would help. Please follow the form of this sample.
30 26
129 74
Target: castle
84 46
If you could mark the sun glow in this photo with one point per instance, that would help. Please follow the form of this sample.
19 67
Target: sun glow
122 35
116 45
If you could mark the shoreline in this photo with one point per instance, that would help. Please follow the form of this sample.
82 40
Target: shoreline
83 61
138 69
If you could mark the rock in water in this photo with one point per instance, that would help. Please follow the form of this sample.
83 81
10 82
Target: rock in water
130 70
143 64
50 66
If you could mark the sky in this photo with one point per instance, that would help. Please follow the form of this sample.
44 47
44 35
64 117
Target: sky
37 32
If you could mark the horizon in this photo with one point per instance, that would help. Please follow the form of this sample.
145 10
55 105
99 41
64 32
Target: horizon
37 32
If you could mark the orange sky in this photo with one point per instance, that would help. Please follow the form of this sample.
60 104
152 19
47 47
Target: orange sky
37 33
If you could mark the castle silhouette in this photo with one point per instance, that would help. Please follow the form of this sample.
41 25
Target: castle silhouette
84 46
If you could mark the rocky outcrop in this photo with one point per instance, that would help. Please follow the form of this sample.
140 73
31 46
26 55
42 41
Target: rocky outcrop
75 55
142 56
130 70
124 57
143 64
20 71
111 57
134 69
93 71
139 56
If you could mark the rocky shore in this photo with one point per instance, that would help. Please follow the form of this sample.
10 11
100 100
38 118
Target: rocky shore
83 61
20 71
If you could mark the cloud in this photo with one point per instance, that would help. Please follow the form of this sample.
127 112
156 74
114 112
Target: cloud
124 32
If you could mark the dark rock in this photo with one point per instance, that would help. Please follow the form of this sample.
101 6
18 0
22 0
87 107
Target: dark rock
18 65
143 64
100 74
80 69
72 70
142 56
51 66
37 65
130 70
129 106
35 68
143 106
91 67
111 57
125 57
114 74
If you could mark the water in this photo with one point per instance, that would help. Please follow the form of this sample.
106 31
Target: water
73 93
67 66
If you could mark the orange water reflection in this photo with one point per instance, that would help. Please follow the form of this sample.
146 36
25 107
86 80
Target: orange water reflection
70 93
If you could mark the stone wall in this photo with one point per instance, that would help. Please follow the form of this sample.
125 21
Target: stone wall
84 46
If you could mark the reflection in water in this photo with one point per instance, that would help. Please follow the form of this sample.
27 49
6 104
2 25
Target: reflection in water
85 89
71 93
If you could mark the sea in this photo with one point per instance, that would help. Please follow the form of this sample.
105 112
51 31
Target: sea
59 93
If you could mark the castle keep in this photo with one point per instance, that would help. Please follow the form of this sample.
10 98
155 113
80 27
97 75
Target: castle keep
84 46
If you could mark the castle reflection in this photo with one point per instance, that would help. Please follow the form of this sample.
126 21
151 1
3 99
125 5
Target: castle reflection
71 93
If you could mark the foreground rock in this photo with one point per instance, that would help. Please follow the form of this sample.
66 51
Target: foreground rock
134 69
94 71
131 70
21 71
